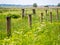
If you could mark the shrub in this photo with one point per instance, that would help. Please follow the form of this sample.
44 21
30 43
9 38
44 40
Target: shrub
14 16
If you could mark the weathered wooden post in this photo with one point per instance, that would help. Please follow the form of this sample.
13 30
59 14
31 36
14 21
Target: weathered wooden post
8 26
46 12
23 13
41 17
30 20
57 16
34 12
51 17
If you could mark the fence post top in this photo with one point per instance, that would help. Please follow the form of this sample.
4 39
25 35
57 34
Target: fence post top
29 14
46 10
50 12
8 17
41 13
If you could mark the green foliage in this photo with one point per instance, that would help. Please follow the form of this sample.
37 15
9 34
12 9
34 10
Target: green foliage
44 33
58 4
35 5
15 16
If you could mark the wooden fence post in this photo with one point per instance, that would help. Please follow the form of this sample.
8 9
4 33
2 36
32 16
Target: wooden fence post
46 12
30 20
41 17
8 26
34 12
57 16
23 13
51 17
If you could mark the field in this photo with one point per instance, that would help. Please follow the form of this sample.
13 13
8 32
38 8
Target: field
40 33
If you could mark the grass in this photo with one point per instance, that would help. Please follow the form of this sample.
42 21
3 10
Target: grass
45 33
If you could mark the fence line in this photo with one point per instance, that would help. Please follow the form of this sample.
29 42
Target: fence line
29 20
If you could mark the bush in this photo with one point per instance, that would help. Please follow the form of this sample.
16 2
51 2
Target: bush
15 16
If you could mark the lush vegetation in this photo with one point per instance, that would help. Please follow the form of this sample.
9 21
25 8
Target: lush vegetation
45 33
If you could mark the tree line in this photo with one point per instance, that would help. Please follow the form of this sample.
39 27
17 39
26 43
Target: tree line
35 5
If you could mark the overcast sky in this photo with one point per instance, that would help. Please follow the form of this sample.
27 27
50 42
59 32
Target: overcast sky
30 2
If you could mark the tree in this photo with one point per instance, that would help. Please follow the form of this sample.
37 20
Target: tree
35 5
46 6
58 4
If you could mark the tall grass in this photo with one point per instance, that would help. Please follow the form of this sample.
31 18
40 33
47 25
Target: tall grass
45 33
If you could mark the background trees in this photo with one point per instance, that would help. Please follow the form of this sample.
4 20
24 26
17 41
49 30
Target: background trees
35 5
58 4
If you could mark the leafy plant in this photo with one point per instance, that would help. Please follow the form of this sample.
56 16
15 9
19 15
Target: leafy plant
15 16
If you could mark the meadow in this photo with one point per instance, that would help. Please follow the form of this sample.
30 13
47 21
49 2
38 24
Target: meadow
40 33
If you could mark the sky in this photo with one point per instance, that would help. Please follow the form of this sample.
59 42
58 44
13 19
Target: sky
30 2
